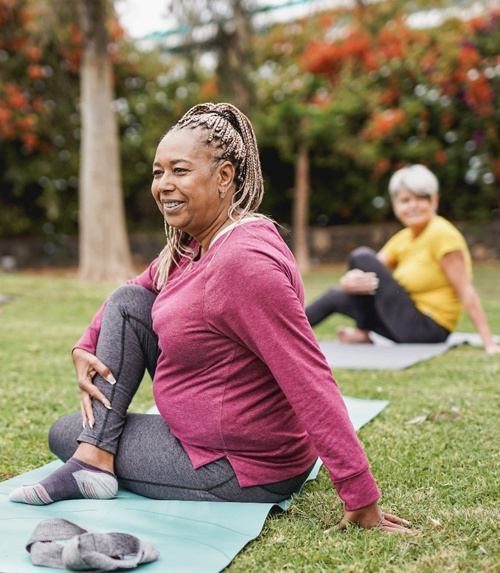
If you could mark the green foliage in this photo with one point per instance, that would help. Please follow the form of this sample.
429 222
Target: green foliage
38 163
379 94
40 119
443 474
153 91
366 92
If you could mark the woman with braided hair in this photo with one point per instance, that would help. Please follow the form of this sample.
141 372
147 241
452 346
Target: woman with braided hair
246 399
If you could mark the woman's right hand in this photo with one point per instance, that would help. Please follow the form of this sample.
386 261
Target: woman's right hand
87 366
371 516
357 281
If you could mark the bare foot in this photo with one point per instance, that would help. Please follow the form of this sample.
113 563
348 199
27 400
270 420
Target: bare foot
350 335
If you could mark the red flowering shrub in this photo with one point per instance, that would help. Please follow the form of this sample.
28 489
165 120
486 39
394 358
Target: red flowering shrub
391 95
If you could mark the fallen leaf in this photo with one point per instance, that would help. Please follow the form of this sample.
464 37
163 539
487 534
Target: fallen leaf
417 420
437 415
435 522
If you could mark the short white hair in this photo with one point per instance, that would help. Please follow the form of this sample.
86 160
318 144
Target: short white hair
415 179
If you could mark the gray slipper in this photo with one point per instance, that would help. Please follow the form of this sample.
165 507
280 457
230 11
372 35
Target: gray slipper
86 549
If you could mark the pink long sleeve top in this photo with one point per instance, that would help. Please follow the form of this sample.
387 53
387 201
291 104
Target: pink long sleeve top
240 373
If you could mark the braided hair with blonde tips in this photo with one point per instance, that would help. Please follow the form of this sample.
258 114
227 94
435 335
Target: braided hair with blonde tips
229 131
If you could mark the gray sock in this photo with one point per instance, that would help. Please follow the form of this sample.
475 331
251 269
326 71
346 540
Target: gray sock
74 480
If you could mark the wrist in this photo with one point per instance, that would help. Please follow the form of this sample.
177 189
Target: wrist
366 517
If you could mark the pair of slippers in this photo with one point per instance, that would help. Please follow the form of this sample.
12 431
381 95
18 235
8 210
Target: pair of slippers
86 549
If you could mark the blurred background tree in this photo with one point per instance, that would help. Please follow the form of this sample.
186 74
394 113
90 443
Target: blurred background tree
38 127
391 94
379 85
104 251
228 35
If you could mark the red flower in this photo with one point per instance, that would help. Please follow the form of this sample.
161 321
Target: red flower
209 89
326 20
75 35
34 54
441 156
468 59
496 167
35 72
384 123
18 100
479 96
25 123
30 140
116 32
390 97
322 58
25 16
4 115
447 121
382 166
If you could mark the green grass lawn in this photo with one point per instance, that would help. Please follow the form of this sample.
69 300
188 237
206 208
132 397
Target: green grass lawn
443 474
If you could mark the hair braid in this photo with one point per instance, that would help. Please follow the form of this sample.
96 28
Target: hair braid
231 135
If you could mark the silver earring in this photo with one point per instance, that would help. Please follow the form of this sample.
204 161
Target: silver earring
222 194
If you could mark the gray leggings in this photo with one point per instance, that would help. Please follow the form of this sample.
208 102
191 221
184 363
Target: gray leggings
149 460
389 312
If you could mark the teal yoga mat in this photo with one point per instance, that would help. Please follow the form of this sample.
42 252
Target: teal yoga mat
195 537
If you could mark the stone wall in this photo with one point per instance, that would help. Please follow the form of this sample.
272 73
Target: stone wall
328 245
333 244
30 252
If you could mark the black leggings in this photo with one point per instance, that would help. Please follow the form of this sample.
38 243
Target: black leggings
149 460
389 312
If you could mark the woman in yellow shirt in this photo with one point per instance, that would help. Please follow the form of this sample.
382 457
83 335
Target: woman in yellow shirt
414 288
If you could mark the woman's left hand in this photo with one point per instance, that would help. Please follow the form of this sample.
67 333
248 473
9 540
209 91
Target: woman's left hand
492 348
357 281
372 516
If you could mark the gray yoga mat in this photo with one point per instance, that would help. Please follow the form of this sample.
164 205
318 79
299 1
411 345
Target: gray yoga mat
385 354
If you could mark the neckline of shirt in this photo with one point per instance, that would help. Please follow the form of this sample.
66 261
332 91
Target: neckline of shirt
231 227
425 229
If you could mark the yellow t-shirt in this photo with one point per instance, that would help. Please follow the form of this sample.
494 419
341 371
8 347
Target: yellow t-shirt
418 270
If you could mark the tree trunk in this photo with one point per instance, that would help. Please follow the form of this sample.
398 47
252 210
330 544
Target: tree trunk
103 244
301 210
234 67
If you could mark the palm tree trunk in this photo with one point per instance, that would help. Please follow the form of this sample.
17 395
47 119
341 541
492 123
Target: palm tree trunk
234 66
301 209
103 244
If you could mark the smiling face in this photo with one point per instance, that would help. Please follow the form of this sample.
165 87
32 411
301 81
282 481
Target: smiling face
414 211
187 185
